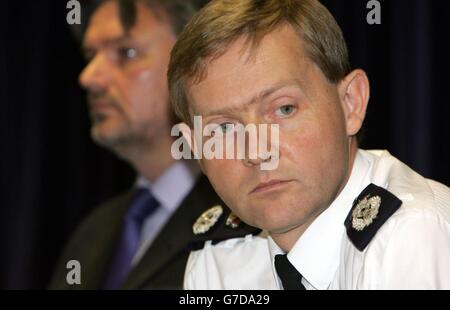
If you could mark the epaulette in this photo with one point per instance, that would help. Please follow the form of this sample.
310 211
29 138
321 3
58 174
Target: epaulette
371 209
218 224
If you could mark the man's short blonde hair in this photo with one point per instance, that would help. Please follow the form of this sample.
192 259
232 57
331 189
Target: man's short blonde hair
222 22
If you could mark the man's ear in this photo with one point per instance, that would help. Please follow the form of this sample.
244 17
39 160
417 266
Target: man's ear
354 93
189 135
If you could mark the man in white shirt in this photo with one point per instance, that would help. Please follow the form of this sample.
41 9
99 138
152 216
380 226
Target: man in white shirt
337 217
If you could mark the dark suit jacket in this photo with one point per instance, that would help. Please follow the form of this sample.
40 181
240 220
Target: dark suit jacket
162 266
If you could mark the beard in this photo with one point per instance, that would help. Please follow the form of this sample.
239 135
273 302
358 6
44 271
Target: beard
110 126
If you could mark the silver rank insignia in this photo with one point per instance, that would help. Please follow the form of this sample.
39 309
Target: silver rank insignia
365 212
370 210
207 220
233 221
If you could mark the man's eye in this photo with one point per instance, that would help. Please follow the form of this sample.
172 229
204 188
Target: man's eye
285 110
226 127
127 53
88 54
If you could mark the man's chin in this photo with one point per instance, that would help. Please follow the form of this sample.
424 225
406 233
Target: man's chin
273 218
106 136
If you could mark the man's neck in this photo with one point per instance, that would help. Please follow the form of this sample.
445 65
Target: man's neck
150 160
286 240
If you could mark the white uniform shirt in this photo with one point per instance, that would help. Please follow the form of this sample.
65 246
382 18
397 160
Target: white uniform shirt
410 251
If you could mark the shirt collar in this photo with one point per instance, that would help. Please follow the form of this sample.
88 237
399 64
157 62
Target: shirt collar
316 253
172 186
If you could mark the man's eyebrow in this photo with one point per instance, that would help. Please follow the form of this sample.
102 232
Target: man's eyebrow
257 98
118 40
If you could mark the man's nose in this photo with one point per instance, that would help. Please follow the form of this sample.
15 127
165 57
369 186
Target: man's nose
257 160
95 76
256 147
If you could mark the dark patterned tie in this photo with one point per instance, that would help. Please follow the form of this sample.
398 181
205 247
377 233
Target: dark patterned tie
290 277
142 205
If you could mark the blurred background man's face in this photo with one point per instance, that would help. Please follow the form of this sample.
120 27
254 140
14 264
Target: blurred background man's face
126 76
278 85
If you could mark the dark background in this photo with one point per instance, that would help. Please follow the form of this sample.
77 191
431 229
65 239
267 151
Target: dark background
52 175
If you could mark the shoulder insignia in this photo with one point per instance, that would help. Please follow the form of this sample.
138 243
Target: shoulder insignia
371 209
218 224
207 220
233 221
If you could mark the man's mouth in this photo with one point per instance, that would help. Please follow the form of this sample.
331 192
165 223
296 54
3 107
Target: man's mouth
269 186
100 106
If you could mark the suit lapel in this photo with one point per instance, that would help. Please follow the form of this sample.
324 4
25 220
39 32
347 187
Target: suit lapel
100 241
176 236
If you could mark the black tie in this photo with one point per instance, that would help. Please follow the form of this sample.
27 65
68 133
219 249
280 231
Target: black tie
290 277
